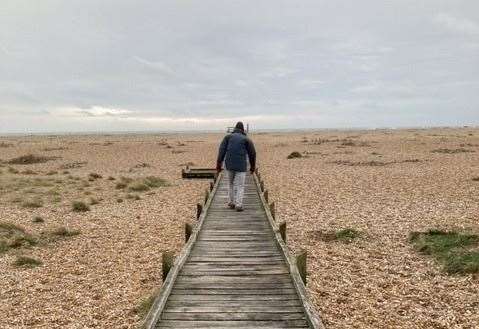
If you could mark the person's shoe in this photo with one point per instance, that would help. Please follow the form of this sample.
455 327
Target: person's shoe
231 205
239 208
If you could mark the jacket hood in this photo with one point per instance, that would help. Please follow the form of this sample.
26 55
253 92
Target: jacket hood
237 130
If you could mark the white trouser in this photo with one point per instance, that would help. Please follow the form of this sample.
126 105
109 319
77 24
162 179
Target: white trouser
236 187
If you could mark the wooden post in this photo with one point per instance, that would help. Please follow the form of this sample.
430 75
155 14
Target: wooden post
207 195
301 265
266 195
212 185
261 184
272 209
199 210
188 231
168 258
282 230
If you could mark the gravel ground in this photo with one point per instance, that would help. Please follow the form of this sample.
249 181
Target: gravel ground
383 183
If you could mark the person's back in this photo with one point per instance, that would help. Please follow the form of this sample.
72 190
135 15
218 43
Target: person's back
235 149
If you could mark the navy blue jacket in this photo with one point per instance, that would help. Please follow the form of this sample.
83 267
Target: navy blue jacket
235 147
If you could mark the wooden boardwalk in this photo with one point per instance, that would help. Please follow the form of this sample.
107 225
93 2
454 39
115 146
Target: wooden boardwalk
234 272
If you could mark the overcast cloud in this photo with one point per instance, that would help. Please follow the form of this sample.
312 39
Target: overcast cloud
98 65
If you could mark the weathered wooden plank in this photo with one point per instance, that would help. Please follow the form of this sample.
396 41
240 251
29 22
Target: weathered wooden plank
166 315
252 297
241 324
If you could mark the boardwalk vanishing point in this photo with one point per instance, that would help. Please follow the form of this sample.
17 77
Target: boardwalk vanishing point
235 270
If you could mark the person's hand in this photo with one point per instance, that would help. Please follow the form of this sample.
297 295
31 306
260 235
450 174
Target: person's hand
218 167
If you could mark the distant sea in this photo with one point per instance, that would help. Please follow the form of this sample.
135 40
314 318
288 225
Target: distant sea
194 132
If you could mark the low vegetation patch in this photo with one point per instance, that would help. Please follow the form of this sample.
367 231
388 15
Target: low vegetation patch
13 236
30 159
38 219
295 155
145 305
33 203
80 206
94 176
64 232
141 184
5 145
24 261
452 151
457 252
346 235
73 165
349 142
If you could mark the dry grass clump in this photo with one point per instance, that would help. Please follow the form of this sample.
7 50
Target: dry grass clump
73 165
38 219
372 163
349 142
30 159
93 176
295 155
29 172
455 251
141 184
133 196
33 203
80 206
63 232
145 305
346 235
452 151
49 149
142 165
12 170
5 145
138 187
25 261
13 236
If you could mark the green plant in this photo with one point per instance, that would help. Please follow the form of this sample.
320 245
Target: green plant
153 181
80 206
13 236
295 155
145 305
347 235
64 232
34 203
451 249
38 219
24 261
30 159
95 176
452 151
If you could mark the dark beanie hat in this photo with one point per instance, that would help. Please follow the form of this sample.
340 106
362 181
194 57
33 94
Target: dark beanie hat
240 126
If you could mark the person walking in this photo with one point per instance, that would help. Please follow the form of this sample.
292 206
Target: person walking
234 149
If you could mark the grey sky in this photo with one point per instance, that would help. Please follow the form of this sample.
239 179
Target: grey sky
97 65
